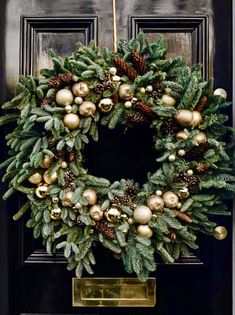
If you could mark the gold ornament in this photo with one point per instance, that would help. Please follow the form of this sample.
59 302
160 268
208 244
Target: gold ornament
183 193
220 233
181 152
47 161
184 117
220 92
36 178
96 213
171 157
155 203
71 121
41 191
56 213
130 221
142 90
113 215
64 164
170 199
179 205
68 109
64 97
149 88
105 105
168 100
145 230
80 89
142 214
116 78
158 193
197 118
87 109
128 104
190 172
77 205
55 199
113 71
90 195
78 100
200 138
125 92
50 179
66 202
181 135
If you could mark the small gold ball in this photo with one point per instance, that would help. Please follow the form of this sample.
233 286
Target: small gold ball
181 135
168 100
189 172
142 214
113 70
197 118
171 158
220 233
50 179
145 230
80 89
220 92
66 202
125 92
184 117
68 109
87 109
149 88
179 205
113 215
183 193
158 193
134 99
36 178
200 138
71 121
64 97
64 164
181 152
56 213
78 205
55 199
128 104
170 199
105 105
142 90
78 100
47 161
96 213
116 78
90 195
155 203
41 191
130 221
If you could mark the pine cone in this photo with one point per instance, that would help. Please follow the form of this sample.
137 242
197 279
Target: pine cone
169 126
71 156
137 118
72 186
145 109
156 85
47 101
124 200
197 152
182 216
131 191
192 182
202 167
139 62
61 155
124 67
80 223
103 228
99 88
201 104
61 80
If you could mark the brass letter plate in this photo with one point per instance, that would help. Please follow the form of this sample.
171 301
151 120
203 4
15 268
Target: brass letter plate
114 292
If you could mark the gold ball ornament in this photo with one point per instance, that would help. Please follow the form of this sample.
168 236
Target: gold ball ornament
41 191
130 221
64 164
197 118
170 199
183 193
71 121
171 157
168 100
113 215
220 233
64 97
113 70
220 92
116 78
50 179
87 109
125 92
142 214
56 213
149 88
184 117
66 202
105 105
78 100
128 104
181 152
80 89
68 109
155 203
200 138
142 90
96 213
158 193
47 161
90 195
36 178
190 172
55 199
181 135
77 205
145 230
179 205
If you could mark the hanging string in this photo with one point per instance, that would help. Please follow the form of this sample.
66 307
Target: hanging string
114 27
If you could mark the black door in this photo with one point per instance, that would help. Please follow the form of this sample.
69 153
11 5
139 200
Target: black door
31 282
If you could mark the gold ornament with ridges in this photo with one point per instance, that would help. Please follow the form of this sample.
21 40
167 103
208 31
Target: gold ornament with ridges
142 214
96 213
145 230
170 199
80 89
87 109
35 178
200 138
64 97
220 233
66 202
220 92
113 215
90 195
56 213
183 193
155 203
125 92
71 121
105 105
41 191
47 161
50 179
184 117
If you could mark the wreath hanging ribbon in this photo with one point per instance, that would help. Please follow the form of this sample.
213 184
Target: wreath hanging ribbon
55 116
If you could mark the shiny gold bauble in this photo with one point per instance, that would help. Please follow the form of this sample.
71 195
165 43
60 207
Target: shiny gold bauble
113 215
77 205
96 213
125 92
90 195
181 135
197 118
64 97
130 221
64 164
128 104
47 161
80 89
184 117
149 88
171 157
87 109
181 152
113 70
220 233
170 199
142 214
50 179
66 202
189 172
78 100
220 92
41 191
145 230
183 193
71 121
158 192
116 78
68 109
105 105
56 213
36 178
155 203
142 90
200 138
168 100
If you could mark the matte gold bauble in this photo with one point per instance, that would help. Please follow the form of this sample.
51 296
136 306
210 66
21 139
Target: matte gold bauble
50 179
171 157
125 92
116 78
128 104
220 233
47 161
56 213
181 152
66 202
90 195
87 109
78 100
80 89
149 88
41 191
36 178
145 230
64 97
181 135
77 205
170 199
200 138
197 118
113 215
220 92
64 164
184 117
142 90
183 193
130 221
113 70
155 203
68 109
96 213
168 100
142 214
105 105
158 192
71 121
189 172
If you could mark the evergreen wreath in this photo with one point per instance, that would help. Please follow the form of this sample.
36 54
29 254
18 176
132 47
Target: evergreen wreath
56 115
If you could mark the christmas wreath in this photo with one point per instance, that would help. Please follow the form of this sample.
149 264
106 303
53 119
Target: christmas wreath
53 118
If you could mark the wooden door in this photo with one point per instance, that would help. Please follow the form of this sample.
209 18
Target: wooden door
33 282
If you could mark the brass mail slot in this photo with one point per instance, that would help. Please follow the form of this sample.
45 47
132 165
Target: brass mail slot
114 292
